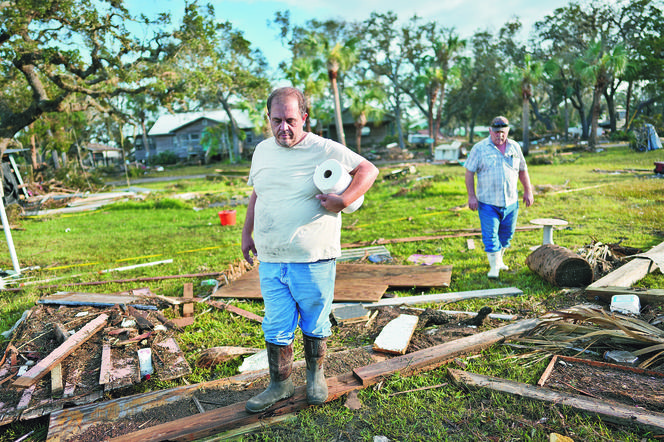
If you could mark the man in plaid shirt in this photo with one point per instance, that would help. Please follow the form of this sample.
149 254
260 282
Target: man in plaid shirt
498 163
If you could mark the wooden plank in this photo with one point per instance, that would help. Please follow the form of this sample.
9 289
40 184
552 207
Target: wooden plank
106 365
40 369
355 282
447 297
61 335
647 296
176 368
609 411
633 271
188 294
395 336
101 298
237 310
435 356
124 372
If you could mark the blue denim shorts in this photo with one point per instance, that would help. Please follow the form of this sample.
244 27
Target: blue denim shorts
498 225
297 294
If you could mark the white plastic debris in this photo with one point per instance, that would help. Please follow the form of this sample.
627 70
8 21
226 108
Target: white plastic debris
626 304
255 362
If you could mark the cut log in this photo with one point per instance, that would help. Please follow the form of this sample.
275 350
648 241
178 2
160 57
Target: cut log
609 411
439 354
560 266
44 366
633 271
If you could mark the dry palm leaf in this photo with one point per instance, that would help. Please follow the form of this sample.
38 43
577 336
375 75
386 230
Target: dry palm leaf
216 355
591 327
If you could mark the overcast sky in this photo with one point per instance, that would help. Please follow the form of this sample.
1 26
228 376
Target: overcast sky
252 16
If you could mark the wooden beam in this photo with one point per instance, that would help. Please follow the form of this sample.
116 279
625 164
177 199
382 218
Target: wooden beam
188 294
447 297
609 411
646 296
233 416
633 271
435 356
61 336
44 366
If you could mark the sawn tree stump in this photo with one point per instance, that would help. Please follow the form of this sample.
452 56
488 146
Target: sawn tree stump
560 266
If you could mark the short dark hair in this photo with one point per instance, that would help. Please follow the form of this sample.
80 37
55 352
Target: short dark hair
288 91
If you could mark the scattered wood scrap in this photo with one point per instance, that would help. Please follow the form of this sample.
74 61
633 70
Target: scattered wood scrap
609 411
633 271
43 367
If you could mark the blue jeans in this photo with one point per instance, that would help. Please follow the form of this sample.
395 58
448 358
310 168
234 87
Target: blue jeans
498 225
297 293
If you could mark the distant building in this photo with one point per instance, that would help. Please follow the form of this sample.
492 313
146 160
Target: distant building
373 133
182 134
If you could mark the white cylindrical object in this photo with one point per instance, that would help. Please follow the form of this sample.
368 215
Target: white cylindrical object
145 361
331 177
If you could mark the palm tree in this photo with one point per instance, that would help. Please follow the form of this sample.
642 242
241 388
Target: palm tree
523 78
366 100
305 73
338 57
600 65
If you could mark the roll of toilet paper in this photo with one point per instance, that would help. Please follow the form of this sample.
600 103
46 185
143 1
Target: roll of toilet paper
331 177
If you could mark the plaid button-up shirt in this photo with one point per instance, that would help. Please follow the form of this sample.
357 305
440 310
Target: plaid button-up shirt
497 174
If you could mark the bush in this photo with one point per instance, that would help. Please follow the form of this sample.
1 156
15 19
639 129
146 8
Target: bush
164 158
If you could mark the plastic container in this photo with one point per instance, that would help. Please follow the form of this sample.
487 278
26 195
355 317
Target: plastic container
227 217
626 304
145 362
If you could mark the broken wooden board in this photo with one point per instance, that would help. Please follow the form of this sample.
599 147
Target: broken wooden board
237 310
439 354
395 336
355 282
609 411
646 296
633 271
65 349
94 300
173 367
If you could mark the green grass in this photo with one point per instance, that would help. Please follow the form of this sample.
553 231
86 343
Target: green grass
601 206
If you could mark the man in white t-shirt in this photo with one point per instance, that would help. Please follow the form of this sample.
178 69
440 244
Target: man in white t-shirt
295 232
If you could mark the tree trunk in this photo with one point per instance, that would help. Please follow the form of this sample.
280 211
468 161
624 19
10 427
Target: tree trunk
592 139
341 137
560 266
525 109
628 99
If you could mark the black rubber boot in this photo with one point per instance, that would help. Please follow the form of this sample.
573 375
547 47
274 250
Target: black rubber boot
314 354
280 359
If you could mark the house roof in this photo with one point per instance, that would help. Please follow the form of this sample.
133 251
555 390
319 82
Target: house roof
169 123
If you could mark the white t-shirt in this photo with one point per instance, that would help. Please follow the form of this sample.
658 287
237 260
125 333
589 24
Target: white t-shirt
290 225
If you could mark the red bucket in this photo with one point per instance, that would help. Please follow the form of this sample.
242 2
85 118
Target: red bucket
227 217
